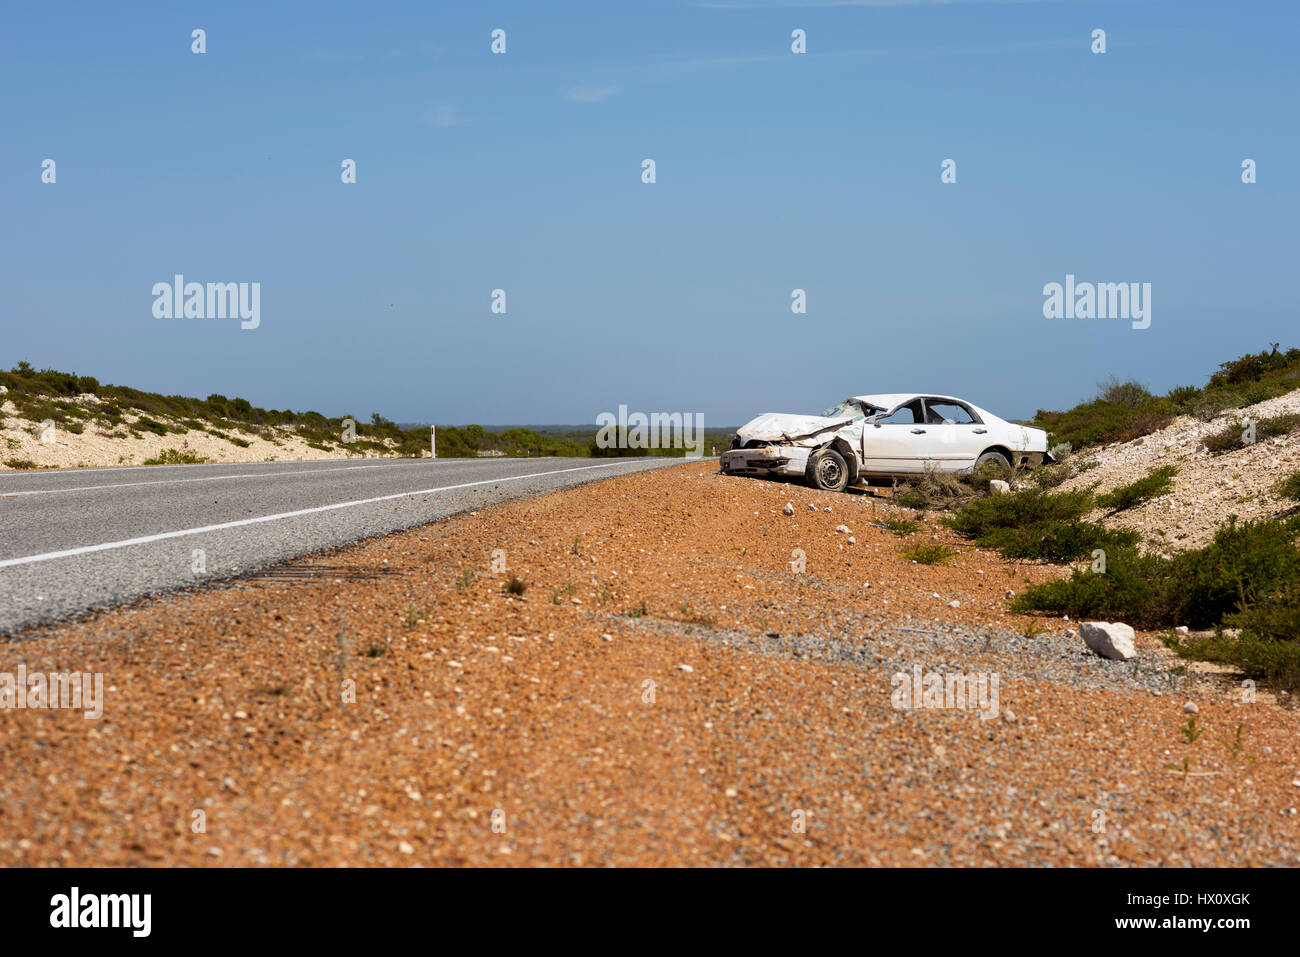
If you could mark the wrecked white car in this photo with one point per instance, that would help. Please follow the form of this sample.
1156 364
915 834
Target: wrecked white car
871 437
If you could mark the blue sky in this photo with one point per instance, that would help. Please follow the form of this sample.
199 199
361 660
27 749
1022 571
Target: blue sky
522 172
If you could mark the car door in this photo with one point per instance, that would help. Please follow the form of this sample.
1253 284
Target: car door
958 436
897 443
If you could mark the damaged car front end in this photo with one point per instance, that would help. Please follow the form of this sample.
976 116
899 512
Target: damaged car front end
777 443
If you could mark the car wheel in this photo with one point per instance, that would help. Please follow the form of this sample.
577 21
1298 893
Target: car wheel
996 458
828 471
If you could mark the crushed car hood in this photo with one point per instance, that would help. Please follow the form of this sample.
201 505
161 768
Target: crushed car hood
785 427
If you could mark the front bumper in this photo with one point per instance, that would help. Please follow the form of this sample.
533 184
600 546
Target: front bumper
767 460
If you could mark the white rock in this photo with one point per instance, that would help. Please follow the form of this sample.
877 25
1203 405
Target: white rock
1190 708
1110 639
1181 629
811 507
826 509
998 487
686 668
789 509
842 530
852 540
954 603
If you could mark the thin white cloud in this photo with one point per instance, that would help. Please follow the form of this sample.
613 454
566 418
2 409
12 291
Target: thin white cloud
442 116
591 94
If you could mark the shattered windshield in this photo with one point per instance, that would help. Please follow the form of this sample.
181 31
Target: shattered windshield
845 410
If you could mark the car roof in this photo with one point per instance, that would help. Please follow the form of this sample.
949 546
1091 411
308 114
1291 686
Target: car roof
892 400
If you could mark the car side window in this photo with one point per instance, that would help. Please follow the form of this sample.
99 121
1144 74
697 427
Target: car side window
909 414
949 413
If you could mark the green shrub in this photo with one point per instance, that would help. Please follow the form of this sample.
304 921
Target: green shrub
1182 396
1130 394
1213 402
1289 487
900 526
1035 523
929 554
1051 476
1267 644
176 457
1144 489
148 425
1252 368
1025 507
1237 435
1245 563
1056 541
1131 589
1125 410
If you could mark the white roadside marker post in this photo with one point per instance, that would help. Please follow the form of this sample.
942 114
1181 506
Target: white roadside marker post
433 443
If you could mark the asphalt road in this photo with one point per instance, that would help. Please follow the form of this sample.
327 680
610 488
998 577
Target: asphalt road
75 540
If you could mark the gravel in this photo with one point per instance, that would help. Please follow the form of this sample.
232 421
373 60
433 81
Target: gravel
392 704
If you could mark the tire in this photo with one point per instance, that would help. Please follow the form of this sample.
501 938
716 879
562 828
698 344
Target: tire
828 471
995 457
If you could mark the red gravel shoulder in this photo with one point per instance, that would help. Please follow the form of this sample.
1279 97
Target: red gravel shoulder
670 689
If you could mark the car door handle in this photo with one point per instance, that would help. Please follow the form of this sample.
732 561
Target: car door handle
980 431
918 431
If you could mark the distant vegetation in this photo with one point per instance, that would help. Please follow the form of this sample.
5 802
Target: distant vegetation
1126 410
126 411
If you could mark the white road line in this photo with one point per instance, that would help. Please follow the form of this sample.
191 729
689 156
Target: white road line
205 478
145 539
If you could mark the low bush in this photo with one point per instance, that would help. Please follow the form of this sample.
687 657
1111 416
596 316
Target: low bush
1244 564
1289 487
1129 394
1159 482
930 554
176 457
900 526
1036 523
934 490
1239 434
988 472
